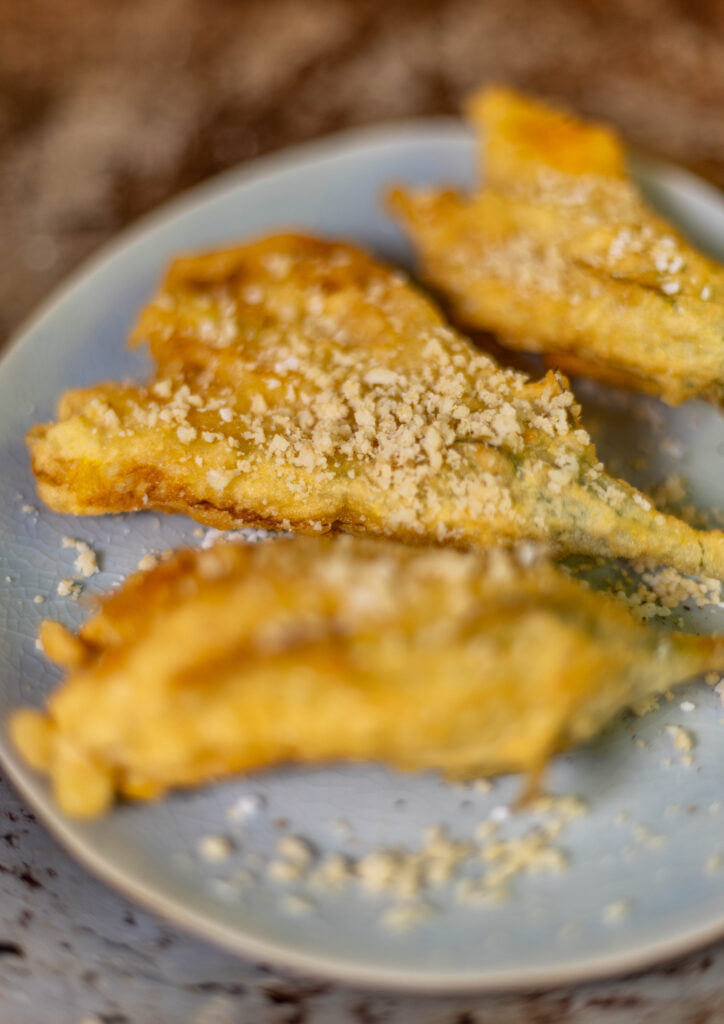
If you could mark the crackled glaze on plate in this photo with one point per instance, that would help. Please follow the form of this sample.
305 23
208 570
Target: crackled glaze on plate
554 929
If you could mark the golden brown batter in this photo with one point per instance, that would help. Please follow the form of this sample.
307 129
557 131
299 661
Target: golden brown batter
558 253
302 385
306 650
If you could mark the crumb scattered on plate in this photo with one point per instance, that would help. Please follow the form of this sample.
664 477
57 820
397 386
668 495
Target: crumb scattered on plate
86 562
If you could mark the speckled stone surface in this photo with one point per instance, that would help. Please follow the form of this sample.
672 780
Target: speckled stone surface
107 109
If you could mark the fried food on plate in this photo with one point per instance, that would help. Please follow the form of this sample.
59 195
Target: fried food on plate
558 253
306 650
302 385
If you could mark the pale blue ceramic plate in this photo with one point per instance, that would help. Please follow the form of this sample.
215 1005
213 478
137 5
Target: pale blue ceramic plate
554 929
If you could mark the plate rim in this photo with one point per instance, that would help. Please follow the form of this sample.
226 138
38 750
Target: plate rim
228 937
610 967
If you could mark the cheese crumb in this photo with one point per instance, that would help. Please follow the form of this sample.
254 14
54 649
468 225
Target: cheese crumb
485 830
296 905
402 917
219 479
284 871
619 910
214 848
477 892
245 806
334 872
295 850
682 739
86 562
149 561
68 588
376 870
381 375
714 864
186 433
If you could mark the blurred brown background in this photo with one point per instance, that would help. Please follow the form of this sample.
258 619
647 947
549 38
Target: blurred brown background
108 107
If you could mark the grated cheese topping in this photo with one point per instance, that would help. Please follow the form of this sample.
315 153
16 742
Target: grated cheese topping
353 378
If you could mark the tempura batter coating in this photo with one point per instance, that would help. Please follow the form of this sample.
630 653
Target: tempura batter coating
306 650
558 253
302 385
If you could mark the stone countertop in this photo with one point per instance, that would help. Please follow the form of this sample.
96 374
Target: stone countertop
108 109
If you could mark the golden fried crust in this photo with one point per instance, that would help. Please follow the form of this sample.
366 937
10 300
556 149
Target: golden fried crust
301 385
521 135
240 657
558 253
